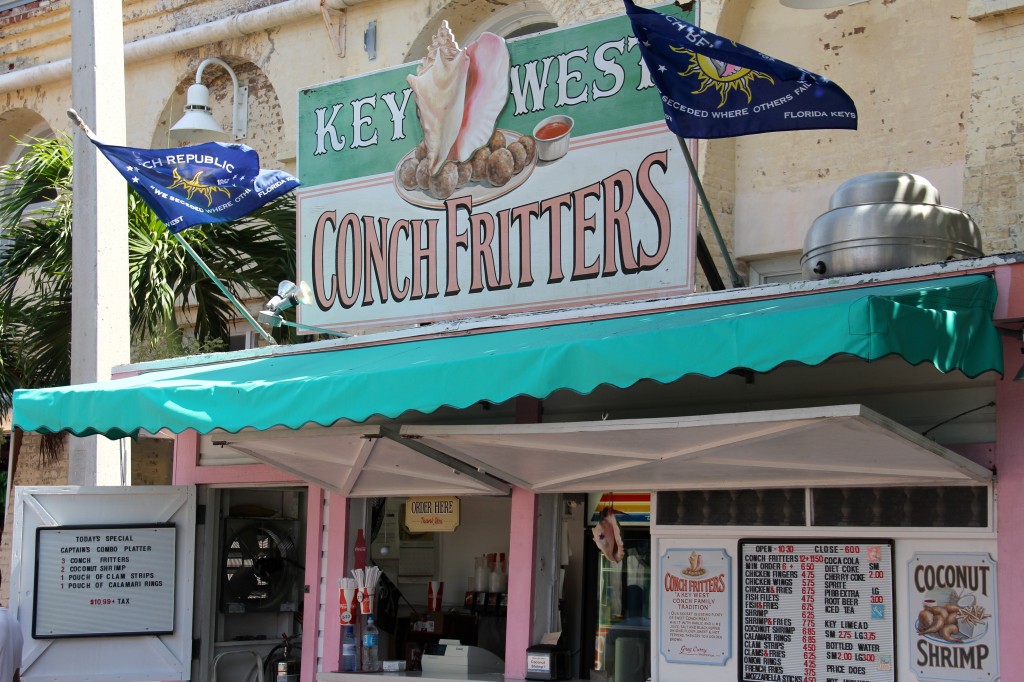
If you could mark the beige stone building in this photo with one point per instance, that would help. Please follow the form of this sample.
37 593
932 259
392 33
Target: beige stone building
937 84
934 82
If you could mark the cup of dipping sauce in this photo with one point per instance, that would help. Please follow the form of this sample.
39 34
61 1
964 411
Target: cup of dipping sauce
552 136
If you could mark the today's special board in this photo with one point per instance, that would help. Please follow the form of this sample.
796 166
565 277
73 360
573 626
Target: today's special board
104 581
816 611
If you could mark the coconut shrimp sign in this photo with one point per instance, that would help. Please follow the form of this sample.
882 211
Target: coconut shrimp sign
492 178
953 614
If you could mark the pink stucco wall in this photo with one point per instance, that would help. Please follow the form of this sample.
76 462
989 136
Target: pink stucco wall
1010 507
522 543
337 544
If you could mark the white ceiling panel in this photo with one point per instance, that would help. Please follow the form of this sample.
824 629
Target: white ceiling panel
844 445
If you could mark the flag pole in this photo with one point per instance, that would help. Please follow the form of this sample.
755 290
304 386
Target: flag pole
224 290
73 115
737 281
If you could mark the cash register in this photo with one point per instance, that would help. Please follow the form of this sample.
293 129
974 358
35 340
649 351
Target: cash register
450 656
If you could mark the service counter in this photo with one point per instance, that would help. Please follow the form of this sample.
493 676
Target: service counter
368 677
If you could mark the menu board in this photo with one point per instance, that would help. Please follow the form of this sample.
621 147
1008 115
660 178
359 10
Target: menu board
94 581
816 611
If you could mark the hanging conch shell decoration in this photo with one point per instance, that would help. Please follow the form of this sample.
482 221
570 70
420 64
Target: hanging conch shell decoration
459 95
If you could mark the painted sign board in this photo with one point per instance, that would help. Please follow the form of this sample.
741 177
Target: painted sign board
492 179
104 581
696 606
432 514
819 609
952 612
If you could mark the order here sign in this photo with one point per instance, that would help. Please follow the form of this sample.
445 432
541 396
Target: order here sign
432 514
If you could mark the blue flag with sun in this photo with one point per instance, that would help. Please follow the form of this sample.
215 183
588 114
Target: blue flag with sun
204 183
713 87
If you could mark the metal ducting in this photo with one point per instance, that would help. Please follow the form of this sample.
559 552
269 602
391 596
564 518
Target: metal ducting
885 221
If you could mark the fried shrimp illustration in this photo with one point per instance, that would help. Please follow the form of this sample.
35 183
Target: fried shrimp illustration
193 186
925 622
949 632
943 622
932 619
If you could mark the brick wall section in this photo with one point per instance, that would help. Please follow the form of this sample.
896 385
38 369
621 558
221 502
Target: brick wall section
716 165
995 132
23 12
31 471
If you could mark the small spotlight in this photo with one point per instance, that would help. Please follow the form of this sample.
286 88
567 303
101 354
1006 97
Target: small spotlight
289 295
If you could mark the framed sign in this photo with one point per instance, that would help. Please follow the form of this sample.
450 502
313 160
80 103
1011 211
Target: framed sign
817 609
103 581
432 514
696 606
953 617
535 175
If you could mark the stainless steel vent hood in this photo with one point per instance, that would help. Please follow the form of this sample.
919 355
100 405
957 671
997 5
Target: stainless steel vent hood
884 221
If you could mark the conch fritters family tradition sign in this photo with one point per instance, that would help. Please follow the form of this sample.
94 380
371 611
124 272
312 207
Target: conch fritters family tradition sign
492 178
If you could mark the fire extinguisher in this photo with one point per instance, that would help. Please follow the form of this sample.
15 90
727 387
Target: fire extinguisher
285 666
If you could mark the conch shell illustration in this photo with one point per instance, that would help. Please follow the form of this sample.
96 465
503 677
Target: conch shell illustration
696 565
459 94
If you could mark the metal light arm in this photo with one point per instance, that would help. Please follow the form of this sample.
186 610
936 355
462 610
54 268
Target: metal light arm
246 315
240 97
273 318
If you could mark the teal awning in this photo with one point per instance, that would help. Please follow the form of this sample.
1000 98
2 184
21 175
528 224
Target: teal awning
947 322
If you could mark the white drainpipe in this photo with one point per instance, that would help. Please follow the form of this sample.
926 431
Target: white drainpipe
236 26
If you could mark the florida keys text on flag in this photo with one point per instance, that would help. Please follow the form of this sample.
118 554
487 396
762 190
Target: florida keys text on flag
205 183
712 87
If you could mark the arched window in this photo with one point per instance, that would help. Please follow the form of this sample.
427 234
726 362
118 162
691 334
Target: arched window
473 19
17 127
516 21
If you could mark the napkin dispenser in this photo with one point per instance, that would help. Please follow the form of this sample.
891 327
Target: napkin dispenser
548 662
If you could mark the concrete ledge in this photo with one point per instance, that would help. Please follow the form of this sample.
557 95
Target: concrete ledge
983 9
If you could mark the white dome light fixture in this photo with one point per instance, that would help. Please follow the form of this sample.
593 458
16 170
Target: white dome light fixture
197 124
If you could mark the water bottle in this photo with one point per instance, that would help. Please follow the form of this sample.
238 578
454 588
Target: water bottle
371 636
349 650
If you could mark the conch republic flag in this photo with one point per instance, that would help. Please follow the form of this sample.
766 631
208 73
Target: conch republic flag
713 87
204 183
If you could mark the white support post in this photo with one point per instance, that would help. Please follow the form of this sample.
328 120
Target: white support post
99 300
